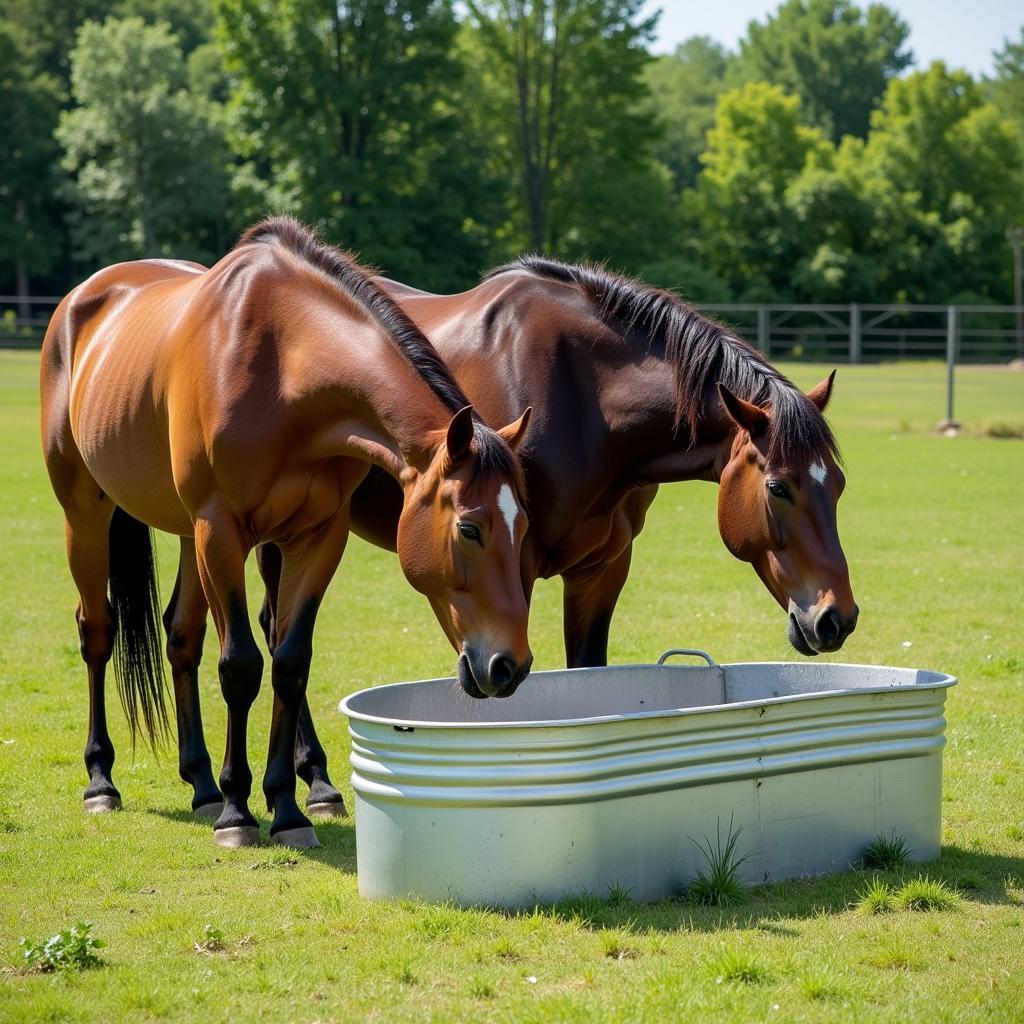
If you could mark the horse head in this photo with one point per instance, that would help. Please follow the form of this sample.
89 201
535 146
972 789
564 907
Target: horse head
459 538
777 511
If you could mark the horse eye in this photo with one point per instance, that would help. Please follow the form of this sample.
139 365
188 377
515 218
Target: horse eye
779 490
471 532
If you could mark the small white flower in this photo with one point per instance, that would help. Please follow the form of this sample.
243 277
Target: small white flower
908 643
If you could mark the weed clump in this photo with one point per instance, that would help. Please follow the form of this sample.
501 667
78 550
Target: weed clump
876 898
925 894
69 950
721 885
735 967
887 852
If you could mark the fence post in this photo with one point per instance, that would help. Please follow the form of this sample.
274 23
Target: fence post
951 339
763 330
854 354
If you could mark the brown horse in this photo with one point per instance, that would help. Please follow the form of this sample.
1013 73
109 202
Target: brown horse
244 404
631 388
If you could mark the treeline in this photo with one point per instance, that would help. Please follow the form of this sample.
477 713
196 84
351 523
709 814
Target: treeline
438 140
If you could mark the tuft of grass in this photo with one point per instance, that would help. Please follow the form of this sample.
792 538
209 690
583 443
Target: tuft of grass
721 885
1015 832
282 858
72 949
886 852
894 957
616 945
733 966
481 988
971 881
819 988
925 894
619 895
876 898
506 950
1011 427
405 976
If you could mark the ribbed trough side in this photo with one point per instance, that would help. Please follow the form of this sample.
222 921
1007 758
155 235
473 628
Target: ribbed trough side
503 804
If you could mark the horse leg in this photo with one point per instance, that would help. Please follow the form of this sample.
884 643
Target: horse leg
306 569
89 559
185 623
588 602
221 561
323 800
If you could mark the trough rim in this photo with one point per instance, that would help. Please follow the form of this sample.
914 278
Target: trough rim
943 680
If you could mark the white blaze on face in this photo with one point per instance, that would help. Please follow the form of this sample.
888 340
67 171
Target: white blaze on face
509 509
818 472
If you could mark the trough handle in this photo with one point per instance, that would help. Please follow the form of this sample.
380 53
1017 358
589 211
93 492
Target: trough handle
687 650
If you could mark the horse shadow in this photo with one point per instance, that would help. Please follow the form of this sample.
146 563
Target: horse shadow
337 837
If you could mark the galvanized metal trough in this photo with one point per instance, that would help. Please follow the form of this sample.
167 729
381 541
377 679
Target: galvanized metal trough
589 778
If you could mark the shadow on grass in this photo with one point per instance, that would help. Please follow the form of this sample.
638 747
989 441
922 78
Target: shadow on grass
979 877
337 838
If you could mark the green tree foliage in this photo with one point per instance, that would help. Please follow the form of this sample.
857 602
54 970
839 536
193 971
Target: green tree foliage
1006 88
684 88
942 169
564 79
30 100
835 56
740 223
145 157
349 113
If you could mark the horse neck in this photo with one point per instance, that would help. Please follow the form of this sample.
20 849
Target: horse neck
382 408
639 404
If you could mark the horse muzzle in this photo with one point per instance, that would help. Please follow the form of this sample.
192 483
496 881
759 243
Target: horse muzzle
499 676
826 631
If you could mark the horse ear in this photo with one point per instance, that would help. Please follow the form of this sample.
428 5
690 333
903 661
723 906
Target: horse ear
460 434
750 417
514 433
821 393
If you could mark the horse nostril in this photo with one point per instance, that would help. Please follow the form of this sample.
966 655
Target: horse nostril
829 627
502 670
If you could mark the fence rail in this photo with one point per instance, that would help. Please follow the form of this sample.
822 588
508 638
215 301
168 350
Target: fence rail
850 333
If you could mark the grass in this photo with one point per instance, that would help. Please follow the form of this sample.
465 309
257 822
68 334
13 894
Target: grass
722 884
932 529
887 852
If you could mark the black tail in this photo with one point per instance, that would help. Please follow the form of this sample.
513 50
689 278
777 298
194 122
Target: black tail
138 649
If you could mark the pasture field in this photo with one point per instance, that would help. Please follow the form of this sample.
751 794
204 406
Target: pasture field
934 531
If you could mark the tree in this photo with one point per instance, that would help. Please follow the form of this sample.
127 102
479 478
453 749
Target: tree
942 168
741 227
835 56
562 84
348 113
1007 87
30 99
684 88
146 159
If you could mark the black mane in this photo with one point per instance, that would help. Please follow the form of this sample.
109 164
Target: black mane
356 281
702 352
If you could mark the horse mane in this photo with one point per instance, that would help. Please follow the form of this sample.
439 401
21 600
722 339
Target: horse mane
356 281
702 352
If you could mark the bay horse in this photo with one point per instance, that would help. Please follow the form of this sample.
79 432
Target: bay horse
242 405
630 388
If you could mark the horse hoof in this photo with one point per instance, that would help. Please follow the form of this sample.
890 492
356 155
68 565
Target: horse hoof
327 809
101 804
237 836
297 838
208 812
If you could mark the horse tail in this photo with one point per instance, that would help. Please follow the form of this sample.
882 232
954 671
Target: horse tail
138 647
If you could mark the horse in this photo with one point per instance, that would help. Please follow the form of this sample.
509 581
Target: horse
242 405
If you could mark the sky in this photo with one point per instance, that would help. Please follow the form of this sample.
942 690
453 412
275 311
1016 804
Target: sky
963 33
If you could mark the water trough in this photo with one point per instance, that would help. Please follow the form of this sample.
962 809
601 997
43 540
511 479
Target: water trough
589 778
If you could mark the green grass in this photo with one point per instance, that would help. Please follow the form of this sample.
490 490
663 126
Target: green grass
887 852
934 533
